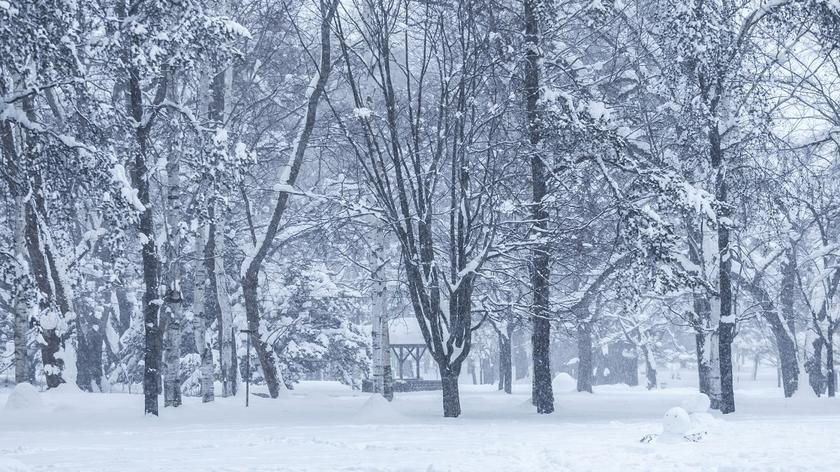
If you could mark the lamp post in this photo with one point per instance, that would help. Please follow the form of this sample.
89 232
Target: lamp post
247 363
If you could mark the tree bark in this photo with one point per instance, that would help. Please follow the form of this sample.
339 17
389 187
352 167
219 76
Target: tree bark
171 322
200 320
252 266
650 367
451 397
505 363
151 302
584 342
726 324
543 397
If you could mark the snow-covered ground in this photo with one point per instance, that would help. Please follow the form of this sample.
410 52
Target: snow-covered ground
323 426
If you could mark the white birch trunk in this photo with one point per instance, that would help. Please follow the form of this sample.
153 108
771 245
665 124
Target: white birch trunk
174 298
227 340
378 314
711 352
200 320
22 307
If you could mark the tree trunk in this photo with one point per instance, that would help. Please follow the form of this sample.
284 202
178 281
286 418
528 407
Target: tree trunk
505 363
21 285
726 323
23 315
387 373
50 317
813 366
151 302
265 354
786 336
217 114
379 311
584 341
200 319
172 319
215 264
650 368
831 377
543 397
252 266
451 397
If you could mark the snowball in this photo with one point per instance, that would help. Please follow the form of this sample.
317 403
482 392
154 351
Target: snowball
676 421
697 403
24 397
563 383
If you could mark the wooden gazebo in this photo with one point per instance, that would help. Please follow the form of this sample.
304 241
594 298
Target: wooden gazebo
408 348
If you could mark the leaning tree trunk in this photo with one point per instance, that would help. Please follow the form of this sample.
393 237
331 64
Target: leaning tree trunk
253 265
543 397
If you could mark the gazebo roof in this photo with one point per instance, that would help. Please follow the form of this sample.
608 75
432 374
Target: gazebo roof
405 331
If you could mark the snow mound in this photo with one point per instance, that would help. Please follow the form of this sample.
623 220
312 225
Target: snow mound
378 409
676 422
24 397
7 464
697 403
563 383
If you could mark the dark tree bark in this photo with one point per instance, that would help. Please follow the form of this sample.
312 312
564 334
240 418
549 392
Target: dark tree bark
783 330
449 384
505 362
584 343
250 277
152 352
786 339
543 397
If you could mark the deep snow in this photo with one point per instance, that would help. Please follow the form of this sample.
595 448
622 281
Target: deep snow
323 426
